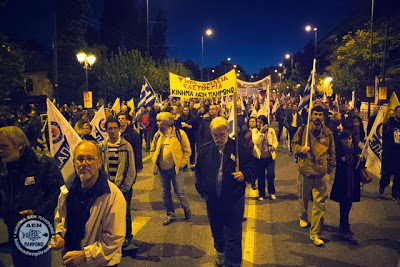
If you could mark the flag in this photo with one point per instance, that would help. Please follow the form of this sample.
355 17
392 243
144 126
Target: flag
275 107
393 103
231 122
131 105
146 96
373 150
116 107
305 100
98 125
63 140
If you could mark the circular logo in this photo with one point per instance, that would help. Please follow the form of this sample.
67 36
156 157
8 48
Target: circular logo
102 125
56 132
33 235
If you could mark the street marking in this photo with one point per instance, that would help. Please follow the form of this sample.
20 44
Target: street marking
249 233
138 223
146 158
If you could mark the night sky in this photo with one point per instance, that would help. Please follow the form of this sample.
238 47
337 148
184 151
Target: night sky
254 34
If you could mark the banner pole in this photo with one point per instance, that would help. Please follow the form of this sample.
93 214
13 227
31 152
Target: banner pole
235 126
311 97
147 81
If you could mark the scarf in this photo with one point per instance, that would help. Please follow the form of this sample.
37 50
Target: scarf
79 202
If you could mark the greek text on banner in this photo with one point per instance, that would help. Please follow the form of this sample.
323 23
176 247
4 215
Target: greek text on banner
222 86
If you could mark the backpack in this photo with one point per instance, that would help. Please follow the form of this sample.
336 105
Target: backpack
177 133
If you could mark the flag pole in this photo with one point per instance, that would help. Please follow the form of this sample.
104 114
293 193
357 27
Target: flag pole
311 97
147 81
235 127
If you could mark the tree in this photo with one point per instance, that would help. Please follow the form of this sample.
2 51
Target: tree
11 68
158 38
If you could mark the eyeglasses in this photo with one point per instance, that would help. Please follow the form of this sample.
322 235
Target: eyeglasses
89 160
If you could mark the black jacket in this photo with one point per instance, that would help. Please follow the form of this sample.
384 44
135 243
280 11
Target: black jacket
207 171
19 191
342 183
289 119
391 148
133 138
204 134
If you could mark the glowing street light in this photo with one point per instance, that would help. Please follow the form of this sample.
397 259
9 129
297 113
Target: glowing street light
308 29
87 61
208 32
280 65
328 79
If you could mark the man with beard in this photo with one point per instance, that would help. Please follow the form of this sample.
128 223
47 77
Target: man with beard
316 161
90 216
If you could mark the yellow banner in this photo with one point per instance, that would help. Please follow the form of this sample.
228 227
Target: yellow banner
222 86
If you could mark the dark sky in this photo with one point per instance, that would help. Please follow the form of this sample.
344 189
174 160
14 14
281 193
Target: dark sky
253 33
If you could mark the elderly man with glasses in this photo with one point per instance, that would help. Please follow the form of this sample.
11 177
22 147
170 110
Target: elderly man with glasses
90 216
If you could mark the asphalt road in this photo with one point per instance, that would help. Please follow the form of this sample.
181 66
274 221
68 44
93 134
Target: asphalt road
271 234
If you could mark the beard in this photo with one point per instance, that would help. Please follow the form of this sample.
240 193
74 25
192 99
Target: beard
317 122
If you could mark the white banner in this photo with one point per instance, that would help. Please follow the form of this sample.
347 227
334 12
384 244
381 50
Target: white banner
63 140
231 122
249 88
98 125
373 150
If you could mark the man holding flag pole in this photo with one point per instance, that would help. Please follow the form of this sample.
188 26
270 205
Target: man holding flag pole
315 148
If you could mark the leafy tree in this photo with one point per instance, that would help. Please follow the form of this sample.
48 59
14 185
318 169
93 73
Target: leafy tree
11 68
323 85
158 38
122 74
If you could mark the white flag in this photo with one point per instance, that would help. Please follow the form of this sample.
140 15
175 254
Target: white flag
373 150
63 140
276 105
231 122
98 125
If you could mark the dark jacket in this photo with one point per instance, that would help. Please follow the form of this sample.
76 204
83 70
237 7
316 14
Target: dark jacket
134 139
341 189
19 191
204 135
207 171
191 120
347 121
391 148
289 119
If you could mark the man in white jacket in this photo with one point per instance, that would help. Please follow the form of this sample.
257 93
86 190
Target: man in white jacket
90 216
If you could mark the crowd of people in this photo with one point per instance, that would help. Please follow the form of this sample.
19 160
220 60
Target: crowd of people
92 216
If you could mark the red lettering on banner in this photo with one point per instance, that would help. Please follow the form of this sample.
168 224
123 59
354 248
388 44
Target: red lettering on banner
224 78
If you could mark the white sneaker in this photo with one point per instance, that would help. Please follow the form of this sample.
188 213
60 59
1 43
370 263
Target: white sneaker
317 241
273 197
303 224
220 260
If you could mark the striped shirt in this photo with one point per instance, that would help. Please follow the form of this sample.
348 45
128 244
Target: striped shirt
113 159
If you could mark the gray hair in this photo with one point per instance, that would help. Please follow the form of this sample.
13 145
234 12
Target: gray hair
15 135
99 151
166 116
219 122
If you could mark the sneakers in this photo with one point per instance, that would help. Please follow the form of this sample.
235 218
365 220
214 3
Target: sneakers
127 242
303 224
220 260
273 197
188 214
260 198
317 241
168 221
396 200
381 191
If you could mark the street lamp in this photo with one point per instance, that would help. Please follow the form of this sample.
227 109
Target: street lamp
280 80
287 56
209 33
229 59
308 29
87 61
328 79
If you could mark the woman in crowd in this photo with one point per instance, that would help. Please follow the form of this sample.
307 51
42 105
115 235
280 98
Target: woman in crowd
265 144
346 187
187 123
248 141
79 124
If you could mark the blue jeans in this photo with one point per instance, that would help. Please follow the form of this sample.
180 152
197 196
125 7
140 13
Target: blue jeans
226 227
128 199
166 177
